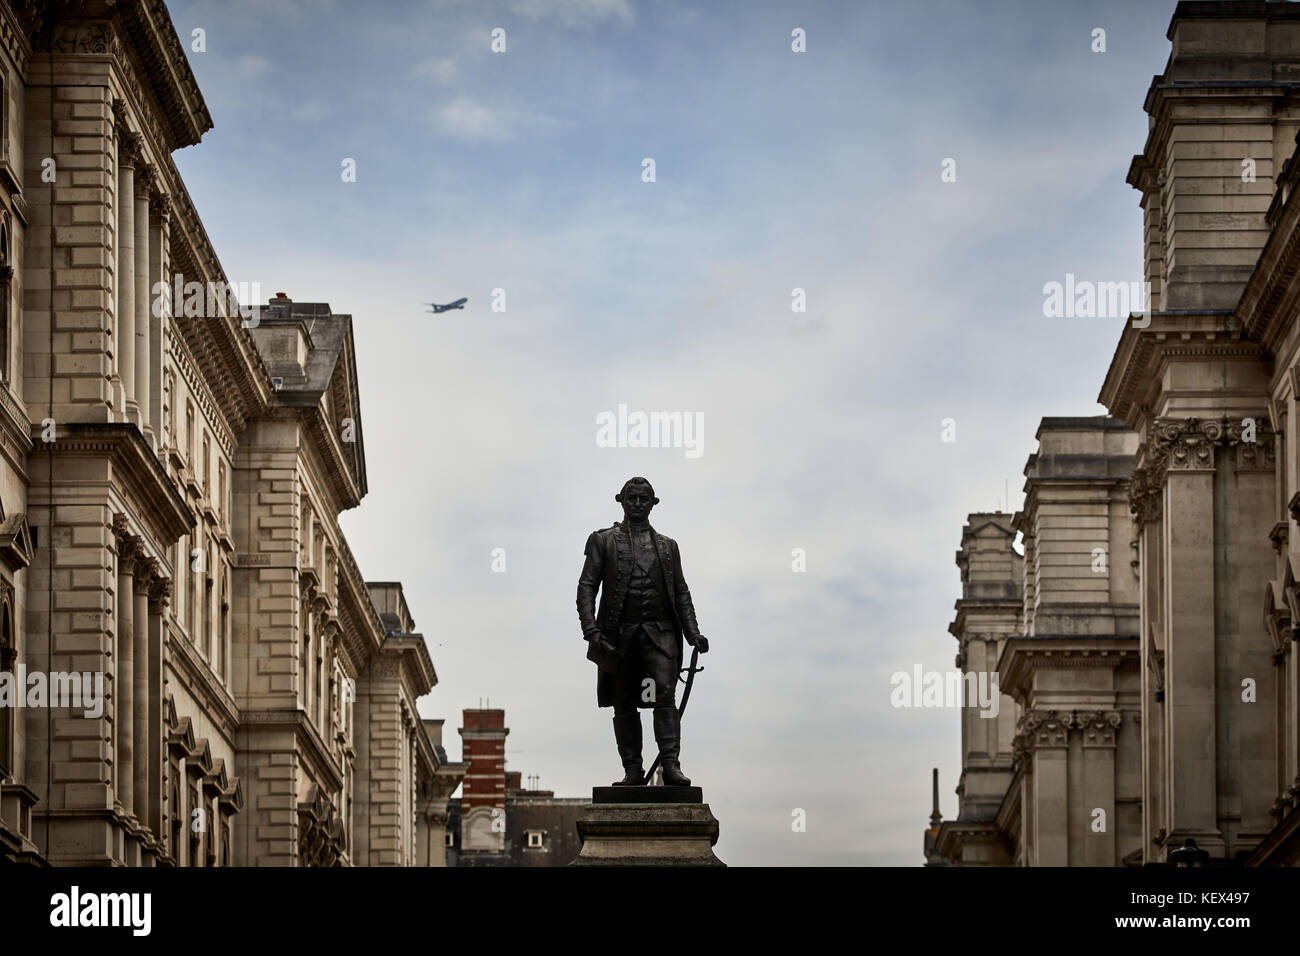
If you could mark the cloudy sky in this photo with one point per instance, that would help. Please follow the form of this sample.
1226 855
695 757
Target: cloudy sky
774 171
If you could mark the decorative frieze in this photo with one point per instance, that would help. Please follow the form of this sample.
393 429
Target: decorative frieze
84 36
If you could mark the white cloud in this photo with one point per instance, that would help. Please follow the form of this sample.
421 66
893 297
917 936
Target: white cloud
467 120
439 68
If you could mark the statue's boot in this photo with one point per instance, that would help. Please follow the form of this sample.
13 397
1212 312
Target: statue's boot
627 734
668 735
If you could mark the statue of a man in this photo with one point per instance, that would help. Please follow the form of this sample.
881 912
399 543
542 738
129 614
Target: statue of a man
636 636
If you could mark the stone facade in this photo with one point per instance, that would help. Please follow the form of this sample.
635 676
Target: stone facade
1180 715
172 469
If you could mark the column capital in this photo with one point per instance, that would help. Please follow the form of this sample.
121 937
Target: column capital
129 551
160 207
1186 444
129 148
146 569
146 174
1098 727
160 593
1190 445
1040 730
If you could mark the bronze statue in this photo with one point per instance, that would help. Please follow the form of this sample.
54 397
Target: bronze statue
635 638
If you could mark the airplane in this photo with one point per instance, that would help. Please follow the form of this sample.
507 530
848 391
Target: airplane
435 309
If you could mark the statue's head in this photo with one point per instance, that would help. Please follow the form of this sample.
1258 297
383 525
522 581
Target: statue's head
637 498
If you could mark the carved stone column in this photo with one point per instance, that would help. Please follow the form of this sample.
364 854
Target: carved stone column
1146 494
124 673
1186 450
145 571
1097 730
128 148
144 177
1044 740
160 592
160 206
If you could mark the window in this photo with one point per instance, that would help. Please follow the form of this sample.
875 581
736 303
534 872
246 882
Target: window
177 821
304 658
221 491
208 635
189 433
223 638
182 579
304 533
206 483
169 418
6 281
535 839
195 831
449 839
212 848
8 657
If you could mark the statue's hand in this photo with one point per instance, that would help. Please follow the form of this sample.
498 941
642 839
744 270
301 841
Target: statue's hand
702 643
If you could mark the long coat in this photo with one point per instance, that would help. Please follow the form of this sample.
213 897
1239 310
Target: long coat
609 568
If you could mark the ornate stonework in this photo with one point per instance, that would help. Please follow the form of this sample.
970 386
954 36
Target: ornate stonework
1190 444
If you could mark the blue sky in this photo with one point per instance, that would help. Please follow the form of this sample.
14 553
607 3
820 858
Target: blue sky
774 171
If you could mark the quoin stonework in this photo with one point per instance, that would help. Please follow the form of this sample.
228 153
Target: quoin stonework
170 486
1145 635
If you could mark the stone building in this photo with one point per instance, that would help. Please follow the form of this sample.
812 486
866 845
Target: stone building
499 822
172 469
1051 780
1196 677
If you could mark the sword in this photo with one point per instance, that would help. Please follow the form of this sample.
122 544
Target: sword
690 672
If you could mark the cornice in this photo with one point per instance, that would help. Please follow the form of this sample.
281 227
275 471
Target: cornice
14 38
312 747
321 432
1165 96
416 665
202 391
1268 303
1022 655
1133 378
153 40
133 460
364 638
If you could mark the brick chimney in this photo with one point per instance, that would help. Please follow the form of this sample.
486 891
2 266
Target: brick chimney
483 747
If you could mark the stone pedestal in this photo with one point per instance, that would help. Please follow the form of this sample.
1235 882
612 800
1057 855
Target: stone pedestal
647 826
